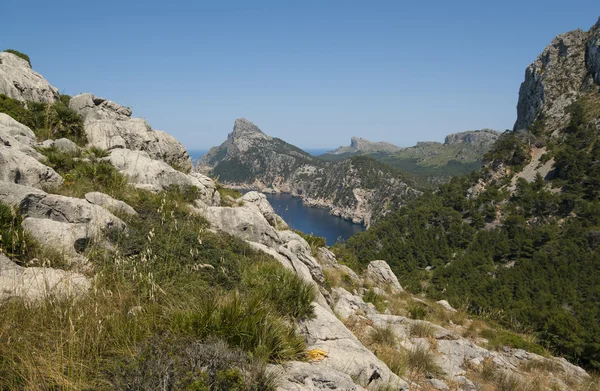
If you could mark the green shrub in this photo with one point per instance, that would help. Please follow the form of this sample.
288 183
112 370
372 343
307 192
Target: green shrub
421 330
417 311
378 301
315 242
19 54
12 237
184 363
48 121
225 192
383 336
289 294
422 360
497 339
248 324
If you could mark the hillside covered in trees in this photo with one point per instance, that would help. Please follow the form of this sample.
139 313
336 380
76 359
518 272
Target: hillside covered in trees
519 238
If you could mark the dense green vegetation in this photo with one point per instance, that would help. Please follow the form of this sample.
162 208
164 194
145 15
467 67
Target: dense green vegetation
529 257
48 121
19 54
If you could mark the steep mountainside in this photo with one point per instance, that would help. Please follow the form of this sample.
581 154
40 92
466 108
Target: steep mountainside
360 188
518 239
431 163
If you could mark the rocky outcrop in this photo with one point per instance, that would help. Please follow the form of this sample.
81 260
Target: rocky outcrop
20 168
303 376
62 223
18 81
473 137
358 189
109 125
156 175
109 203
380 273
345 352
566 68
361 145
20 163
37 283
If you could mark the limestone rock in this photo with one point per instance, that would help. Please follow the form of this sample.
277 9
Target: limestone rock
156 175
345 353
302 376
20 82
557 78
592 59
245 223
362 145
260 201
208 189
446 305
35 283
17 136
380 272
19 167
109 203
66 145
109 125
57 221
347 304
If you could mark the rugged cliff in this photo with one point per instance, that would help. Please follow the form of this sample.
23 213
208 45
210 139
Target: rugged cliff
359 189
566 70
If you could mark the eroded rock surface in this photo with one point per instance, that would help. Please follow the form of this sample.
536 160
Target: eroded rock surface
109 125
36 283
20 82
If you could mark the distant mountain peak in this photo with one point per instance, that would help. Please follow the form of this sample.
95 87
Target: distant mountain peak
245 134
242 125
358 144
472 137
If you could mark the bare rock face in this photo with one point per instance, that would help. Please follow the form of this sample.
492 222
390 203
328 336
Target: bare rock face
303 376
345 353
592 55
380 272
566 68
245 223
56 221
473 137
20 82
362 145
156 175
109 203
19 162
109 125
21 168
36 283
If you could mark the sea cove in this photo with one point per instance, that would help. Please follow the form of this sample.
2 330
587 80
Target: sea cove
310 220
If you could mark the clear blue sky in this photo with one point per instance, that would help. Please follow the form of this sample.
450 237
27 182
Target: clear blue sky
314 73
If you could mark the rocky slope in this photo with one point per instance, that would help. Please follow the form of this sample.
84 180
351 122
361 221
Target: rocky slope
341 335
430 163
359 189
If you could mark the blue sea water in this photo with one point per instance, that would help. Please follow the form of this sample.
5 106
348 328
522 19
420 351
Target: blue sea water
316 221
